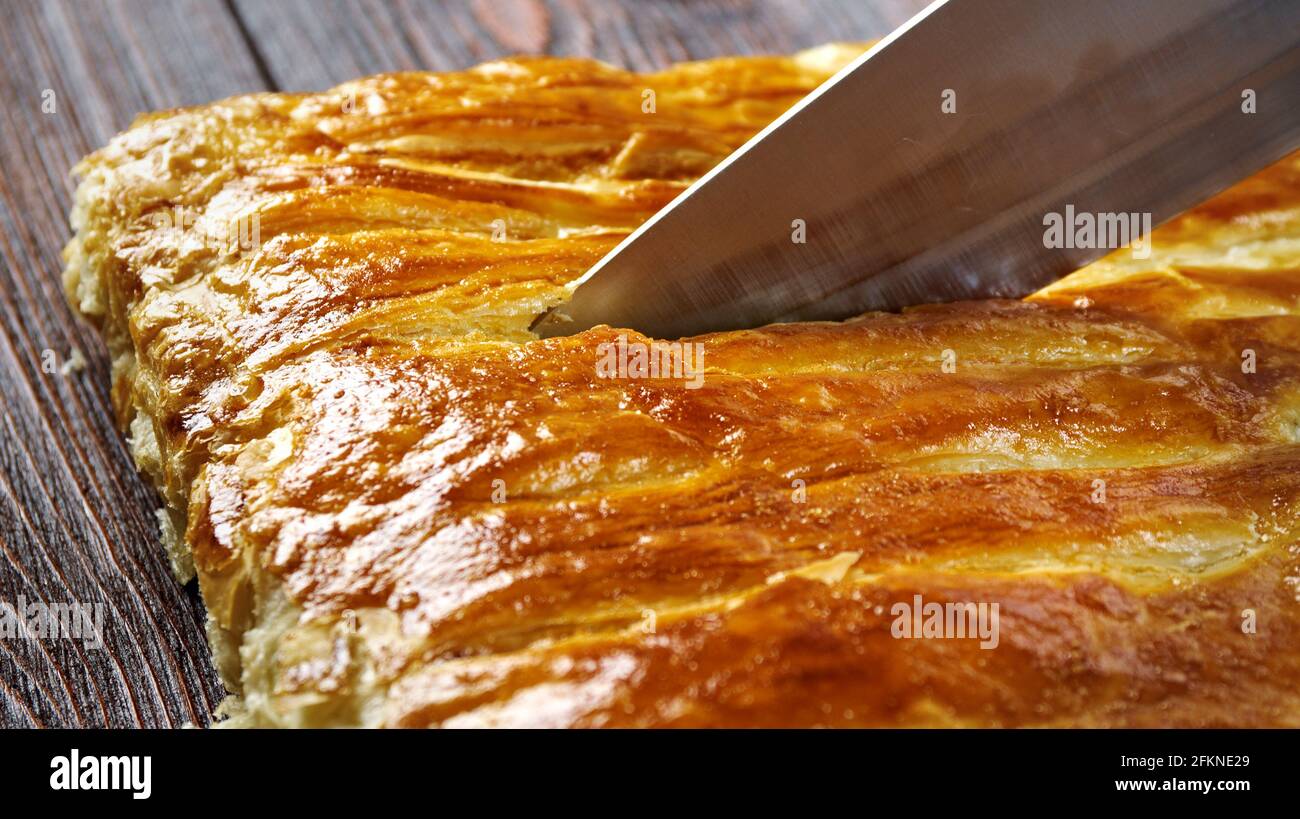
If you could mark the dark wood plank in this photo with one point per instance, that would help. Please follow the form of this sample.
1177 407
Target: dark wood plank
76 522
314 44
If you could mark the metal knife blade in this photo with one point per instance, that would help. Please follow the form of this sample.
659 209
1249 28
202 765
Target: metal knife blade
1102 106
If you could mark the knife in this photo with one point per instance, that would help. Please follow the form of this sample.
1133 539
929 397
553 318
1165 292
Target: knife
936 166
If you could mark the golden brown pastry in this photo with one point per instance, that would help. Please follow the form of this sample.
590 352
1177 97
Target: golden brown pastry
403 509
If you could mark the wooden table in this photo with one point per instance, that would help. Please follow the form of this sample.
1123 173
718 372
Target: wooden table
76 521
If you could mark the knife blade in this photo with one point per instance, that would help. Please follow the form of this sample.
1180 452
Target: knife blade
934 167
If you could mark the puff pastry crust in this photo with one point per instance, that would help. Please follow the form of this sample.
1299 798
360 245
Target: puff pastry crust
405 510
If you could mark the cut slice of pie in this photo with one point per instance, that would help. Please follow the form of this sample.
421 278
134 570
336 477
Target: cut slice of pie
403 509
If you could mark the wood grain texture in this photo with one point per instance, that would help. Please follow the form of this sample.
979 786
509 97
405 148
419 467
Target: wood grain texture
311 44
76 521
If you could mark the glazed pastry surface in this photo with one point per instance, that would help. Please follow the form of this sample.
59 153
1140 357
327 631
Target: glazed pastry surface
405 510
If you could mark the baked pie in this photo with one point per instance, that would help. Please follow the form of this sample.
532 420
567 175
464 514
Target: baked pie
403 509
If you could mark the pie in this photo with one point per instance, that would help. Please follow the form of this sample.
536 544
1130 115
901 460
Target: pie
404 509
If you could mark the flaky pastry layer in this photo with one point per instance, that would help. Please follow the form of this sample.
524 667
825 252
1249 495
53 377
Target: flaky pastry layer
403 509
